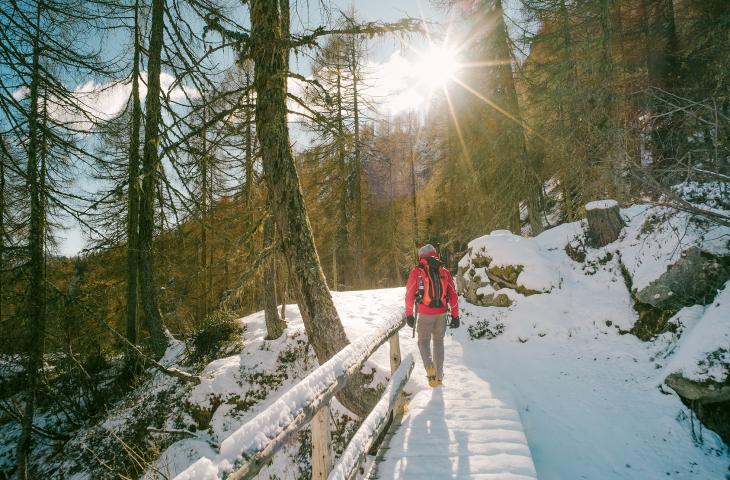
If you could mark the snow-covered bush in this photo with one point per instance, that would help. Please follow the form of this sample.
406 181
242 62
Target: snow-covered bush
485 329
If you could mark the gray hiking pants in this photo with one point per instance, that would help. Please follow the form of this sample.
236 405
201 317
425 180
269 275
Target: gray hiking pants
432 326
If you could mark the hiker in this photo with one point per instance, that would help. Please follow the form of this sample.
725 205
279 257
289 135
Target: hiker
431 287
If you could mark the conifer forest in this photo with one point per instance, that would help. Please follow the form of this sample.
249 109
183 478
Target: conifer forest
204 203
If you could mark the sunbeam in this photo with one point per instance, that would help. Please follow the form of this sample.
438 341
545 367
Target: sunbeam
496 107
458 129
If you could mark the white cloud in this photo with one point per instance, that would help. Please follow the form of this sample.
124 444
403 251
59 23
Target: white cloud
21 93
394 85
408 83
103 101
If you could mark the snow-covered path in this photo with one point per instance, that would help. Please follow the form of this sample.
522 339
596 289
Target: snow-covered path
461 430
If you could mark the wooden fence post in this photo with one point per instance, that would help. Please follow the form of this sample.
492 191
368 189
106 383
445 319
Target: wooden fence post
321 436
394 364
394 352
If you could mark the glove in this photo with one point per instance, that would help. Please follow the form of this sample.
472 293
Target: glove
455 322
410 321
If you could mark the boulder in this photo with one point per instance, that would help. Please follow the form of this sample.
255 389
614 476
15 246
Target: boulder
475 286
693 279
501 263
709 400
706 392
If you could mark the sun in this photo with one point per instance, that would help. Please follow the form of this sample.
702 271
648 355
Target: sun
409 82
436 66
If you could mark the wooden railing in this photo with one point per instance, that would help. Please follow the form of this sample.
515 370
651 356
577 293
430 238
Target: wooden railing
245 452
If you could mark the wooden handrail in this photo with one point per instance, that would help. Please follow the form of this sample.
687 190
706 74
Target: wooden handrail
373 426
250 448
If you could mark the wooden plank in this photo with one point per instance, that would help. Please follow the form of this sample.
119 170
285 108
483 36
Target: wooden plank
321 439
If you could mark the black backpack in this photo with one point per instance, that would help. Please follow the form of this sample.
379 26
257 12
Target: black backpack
432 284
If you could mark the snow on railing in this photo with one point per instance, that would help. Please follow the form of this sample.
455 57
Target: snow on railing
374 424
250 448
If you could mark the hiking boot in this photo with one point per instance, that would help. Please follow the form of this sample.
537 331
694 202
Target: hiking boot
433 382
431 375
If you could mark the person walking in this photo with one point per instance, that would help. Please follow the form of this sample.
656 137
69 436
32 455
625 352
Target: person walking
430 288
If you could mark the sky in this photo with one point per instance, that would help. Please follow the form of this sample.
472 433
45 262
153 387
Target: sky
394 67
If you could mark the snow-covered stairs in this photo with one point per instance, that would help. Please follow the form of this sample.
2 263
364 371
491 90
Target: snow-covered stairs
460 430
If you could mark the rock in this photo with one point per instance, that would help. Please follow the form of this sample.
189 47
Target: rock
702 392
501 300
501 263
709 400
491 300
476 284
693 279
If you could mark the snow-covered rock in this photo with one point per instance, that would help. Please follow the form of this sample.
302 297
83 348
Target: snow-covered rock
500 265
703 351
656 237
671 260
693 278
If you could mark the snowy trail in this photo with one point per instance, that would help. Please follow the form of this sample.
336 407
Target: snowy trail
460 430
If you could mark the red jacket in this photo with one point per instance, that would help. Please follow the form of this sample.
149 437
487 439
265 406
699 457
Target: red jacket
412 288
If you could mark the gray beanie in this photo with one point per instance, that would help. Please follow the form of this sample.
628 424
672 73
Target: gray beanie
427 251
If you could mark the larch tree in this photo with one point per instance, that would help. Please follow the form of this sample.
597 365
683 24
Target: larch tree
268 45
150 172
44 118
133 180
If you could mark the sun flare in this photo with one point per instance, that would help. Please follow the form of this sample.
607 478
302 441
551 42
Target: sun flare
408 83
437 66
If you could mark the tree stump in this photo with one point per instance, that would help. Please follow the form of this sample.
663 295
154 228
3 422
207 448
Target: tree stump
604 222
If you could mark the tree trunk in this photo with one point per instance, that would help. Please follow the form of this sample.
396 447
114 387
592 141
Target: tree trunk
412 158
204 222
249 135
342 242
37 290
2 226
274 325
150 164
133 192
269 28
515 130
604 222
359 254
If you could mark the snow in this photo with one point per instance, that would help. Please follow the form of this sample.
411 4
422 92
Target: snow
601 204
591 408
647 257
259 431
590 395
709 333
506 249
465 429
711 195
